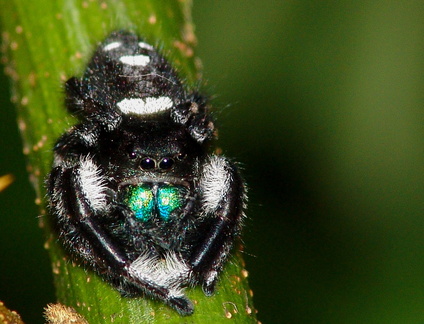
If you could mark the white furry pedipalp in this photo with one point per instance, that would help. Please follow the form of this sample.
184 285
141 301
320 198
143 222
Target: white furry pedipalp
93 184
169 272
215 182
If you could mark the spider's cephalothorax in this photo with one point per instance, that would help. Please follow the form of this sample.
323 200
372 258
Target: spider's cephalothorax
133 192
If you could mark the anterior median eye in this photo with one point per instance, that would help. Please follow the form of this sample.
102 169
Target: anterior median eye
147 164
166 163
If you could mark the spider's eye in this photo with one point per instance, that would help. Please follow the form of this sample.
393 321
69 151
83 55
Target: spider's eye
166 163
181 156
132 152
148 164
132 155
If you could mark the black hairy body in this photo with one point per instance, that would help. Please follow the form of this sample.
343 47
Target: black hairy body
134 193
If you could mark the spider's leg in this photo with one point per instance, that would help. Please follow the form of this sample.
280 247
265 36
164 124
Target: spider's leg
193 114
223 200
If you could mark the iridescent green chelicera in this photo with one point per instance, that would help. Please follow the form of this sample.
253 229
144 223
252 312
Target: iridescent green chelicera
145 200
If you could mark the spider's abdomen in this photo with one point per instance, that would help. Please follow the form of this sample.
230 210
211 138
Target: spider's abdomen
154 201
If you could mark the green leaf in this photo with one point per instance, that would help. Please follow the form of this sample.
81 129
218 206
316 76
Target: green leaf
45 43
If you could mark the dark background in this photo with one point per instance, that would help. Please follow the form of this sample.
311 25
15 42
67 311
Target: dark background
322 103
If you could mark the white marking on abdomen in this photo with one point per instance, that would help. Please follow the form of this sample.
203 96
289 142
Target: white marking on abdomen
135 60
146 46
144 106
111 46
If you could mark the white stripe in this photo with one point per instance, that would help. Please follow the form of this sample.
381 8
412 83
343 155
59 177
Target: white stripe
111 46
146 46
135 60
145 106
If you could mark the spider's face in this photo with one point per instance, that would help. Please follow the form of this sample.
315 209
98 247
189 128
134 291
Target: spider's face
151 150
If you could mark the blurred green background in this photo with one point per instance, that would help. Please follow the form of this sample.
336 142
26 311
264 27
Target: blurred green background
322 102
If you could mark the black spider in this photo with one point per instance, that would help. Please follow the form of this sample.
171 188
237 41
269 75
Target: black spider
133 192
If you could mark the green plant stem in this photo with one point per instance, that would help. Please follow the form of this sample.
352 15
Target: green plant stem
44 43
